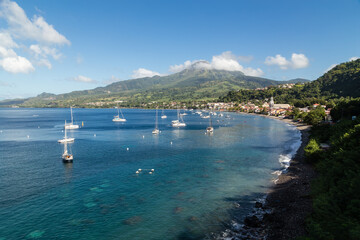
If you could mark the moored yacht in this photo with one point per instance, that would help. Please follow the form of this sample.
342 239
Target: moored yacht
71 125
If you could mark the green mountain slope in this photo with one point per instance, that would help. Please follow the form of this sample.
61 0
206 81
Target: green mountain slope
188 85
341 81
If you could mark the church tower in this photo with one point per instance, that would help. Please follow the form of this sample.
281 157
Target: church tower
271 105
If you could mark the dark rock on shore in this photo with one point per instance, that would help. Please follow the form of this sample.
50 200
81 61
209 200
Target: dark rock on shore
252 221
290 198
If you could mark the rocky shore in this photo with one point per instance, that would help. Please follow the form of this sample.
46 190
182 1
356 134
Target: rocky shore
283 212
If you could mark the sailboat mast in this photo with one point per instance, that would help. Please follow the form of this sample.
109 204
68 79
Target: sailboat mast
65 129
65 148
71 115
210 120
156 119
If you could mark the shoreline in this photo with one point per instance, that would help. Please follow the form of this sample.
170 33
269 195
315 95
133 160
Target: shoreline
288 202
281 214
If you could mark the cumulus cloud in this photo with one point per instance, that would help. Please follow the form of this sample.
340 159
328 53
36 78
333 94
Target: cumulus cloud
7 41
84 79
296 61
142 72
21 31
225 61
354 59
35 29
13 63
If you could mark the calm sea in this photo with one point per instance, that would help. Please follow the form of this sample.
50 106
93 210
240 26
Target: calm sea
200 183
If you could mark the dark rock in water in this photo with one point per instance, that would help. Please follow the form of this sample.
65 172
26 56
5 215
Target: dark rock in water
133 220
252 221
178 210
258 205
193 219
87 221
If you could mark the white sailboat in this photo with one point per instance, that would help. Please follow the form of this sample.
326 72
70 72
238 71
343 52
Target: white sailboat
210 128
183 114
179 122
163 116
71 125
156 130
67 157
117 118
66 139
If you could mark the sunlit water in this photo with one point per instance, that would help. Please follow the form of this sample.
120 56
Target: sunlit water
200 182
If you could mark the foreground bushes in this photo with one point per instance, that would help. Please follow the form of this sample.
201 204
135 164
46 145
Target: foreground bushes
336 192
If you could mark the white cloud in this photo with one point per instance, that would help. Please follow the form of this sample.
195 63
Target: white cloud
16 64
354 59
297 61
21 30
44 62
7 41
44 51
35 29
13 63
225 61
142 72
84 79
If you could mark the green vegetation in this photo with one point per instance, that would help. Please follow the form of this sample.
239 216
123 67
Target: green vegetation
187 86
341 81
336 191
315 116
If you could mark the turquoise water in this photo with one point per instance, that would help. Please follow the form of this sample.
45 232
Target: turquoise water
199 185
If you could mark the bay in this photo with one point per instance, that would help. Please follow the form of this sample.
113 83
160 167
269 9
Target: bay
200 182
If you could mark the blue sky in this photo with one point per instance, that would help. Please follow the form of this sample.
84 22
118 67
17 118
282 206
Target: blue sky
61 46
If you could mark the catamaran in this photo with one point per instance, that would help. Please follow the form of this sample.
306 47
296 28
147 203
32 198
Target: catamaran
71 125
179 122
163 116
67 157
117 118
66 139
156 130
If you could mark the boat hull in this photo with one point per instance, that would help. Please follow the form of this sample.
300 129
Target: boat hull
72 126
66 140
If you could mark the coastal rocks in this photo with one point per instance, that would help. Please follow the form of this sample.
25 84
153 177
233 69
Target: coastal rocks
258 205
252 221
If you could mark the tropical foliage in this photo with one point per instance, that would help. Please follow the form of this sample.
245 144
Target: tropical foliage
336 192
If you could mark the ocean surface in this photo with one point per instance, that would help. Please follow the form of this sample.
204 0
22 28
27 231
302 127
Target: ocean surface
200 183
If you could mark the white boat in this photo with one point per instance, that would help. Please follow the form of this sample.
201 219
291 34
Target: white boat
179 122
71 125
117 118
66 139
183 114
67 157
205 116
163 116
221 115
156 130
